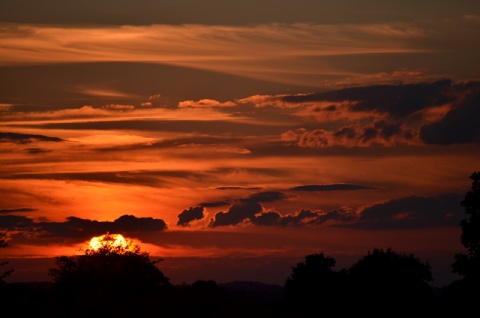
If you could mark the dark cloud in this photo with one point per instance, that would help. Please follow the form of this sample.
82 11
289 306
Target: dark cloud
282 149
368 134
25 138
237 188
267 196
249 209
378 133
387 130
267 218
84 228
329 187
14 222
151 178
179 142
145 178
214 204
303 217
3 211
345 132
78 228
330 108
413 212
237 213
403 100
193 213
460 125
35 151
235 129
245 209
339 216
404 213
399 103
130 223
396 100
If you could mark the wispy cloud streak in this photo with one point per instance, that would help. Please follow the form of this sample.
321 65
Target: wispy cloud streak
243 50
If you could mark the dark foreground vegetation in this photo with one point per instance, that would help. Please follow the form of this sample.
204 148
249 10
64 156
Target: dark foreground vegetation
123 282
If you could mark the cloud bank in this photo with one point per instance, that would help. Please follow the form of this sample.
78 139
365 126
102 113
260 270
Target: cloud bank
78 228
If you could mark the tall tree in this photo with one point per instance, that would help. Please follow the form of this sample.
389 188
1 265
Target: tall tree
390 284
461 296
468 264
314 281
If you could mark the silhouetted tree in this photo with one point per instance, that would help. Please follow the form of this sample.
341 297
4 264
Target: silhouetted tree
105 277
111 268
386 284
468 264
314 283
462 295
3 244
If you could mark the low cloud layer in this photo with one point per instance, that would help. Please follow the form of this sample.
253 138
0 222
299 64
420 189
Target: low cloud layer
398 101
78 228
404 213
440 112
329 187
144 178
17 210
25 138
413 212
237 213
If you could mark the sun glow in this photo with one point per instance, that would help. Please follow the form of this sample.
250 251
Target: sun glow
108 240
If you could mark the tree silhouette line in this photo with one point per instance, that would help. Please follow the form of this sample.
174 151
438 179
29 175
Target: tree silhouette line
122 281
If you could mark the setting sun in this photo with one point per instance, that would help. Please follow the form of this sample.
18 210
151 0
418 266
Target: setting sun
113 240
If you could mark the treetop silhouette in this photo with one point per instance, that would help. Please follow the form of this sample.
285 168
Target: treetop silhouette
468 264
109 269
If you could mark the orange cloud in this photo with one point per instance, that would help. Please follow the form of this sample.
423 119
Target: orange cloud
116 112
400 76
5 107
119 107
205 103
264 101
103 92
379 133
155 96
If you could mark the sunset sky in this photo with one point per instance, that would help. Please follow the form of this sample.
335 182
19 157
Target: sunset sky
232 138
